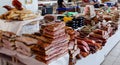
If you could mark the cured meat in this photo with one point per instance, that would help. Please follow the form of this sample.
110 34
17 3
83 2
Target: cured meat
54 36
55 33
89 40
52 59
47 46
9 45
62 51
49 18
75 53
54 26
69 30
52 50
72 61
17 4
96 40
83 48
52 43
8 34
23 49
98 31
96 36
27 40
48 40
93 43
8 7
83 43
84 54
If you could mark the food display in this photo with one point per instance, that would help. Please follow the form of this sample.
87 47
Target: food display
75 37
17 13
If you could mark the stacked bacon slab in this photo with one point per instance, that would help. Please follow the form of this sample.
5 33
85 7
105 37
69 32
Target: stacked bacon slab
53 43
20 44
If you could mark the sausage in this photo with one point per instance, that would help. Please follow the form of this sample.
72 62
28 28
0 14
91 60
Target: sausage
8 7
83 48
84 54
98 31
89 40
96 36
80 42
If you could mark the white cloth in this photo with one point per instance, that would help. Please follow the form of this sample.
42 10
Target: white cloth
16 26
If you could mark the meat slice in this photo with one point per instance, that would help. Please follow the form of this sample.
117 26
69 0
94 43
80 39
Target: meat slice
54 26
54 33
23 49
8 7
61 51
52 59
75 53
9 45
8 34
97 36
53 36
27 40
52 50
48 40
47 46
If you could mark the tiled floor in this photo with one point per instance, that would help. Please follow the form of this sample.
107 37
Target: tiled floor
113 57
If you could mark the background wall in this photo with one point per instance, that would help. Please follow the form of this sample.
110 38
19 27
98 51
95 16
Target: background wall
33 6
